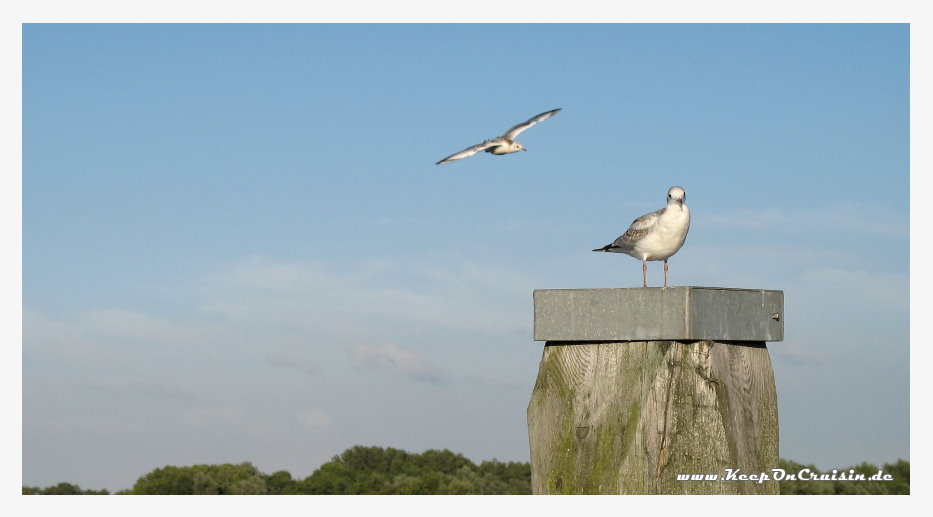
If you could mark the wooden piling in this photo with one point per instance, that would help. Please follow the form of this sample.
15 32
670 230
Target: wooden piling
661 397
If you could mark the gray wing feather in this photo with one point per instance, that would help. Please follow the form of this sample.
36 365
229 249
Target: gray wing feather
518 128
639 228
470 151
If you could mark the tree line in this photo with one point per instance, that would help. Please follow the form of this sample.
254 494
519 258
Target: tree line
899 485
377 470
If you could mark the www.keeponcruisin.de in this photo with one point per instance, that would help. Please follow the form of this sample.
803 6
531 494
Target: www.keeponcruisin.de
782 475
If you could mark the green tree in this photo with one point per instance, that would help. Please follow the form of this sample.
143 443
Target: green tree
900 471
242 478
443 461
281 482
62 489
375 470
167 480
512 478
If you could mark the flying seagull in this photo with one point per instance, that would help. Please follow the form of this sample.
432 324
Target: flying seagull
656 236
504 144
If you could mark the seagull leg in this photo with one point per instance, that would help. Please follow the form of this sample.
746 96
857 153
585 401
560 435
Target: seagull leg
644 273
665 274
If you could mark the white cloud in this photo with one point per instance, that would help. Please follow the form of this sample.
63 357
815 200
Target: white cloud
49 339
281 314
120 331
397 360
394 297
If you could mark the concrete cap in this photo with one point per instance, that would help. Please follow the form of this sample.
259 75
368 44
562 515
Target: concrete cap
653 313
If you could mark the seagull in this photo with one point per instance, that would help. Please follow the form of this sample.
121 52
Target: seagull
504 144
656 236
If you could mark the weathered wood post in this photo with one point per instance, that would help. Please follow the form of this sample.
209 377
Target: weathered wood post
637 386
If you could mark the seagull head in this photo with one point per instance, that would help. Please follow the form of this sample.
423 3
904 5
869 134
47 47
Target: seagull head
518 147
676 195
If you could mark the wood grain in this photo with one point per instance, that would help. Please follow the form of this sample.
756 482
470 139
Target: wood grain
627 417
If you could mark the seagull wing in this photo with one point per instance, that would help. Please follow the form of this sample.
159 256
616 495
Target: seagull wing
515 130
470 151
639 228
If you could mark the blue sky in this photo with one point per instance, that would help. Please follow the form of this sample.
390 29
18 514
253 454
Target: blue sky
237 247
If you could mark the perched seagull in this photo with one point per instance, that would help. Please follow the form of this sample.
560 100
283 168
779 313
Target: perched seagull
656 236
504 144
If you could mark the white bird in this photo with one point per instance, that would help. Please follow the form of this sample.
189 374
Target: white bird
656 236
504 144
